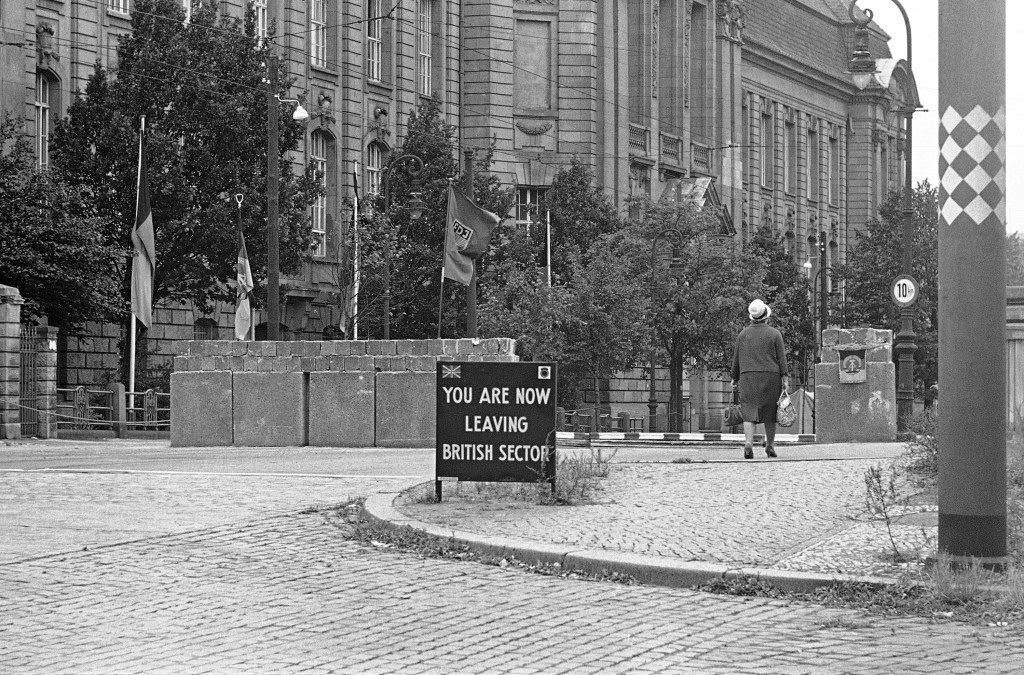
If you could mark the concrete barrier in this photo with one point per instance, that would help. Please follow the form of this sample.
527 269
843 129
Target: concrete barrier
201 408
406 410
269 409
342 409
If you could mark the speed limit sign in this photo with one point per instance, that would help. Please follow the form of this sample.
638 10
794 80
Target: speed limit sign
904 290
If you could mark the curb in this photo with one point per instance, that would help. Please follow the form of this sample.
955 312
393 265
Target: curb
657 571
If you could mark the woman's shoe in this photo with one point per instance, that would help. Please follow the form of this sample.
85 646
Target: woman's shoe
770 451
748 452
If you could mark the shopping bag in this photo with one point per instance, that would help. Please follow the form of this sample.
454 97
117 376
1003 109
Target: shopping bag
786 414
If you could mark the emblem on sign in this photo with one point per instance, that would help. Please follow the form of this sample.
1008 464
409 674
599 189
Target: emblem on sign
851 366
451 371
543 372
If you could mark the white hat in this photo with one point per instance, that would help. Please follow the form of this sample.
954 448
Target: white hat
759 311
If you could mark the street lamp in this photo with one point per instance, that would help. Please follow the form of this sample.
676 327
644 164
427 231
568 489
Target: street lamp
412 165
862 65
652 400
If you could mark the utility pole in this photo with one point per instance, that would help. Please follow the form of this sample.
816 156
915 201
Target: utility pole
972 281
273 183
471 290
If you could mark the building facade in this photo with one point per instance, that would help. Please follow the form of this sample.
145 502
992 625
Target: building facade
754 94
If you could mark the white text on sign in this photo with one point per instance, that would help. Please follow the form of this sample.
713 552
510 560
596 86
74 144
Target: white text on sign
498 395
485 452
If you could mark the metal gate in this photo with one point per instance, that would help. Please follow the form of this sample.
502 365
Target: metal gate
29 382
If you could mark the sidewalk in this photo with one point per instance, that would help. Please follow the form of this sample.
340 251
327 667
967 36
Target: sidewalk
682 515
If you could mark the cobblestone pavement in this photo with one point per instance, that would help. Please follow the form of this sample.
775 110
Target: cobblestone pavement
289 594
123 571
795 515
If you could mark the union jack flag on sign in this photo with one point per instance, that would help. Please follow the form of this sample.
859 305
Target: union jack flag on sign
451 371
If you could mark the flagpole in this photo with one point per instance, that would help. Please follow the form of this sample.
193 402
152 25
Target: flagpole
549 248
440 304
131 330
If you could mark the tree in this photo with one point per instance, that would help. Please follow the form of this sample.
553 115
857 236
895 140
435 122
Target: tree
787 291
698 303
874 261
200 86
53 246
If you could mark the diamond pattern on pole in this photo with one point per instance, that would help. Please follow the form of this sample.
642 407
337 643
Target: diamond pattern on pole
972 157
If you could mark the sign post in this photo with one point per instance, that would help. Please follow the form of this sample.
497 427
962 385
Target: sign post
904 290
495 422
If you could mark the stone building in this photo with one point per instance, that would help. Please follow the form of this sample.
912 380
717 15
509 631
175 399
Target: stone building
756 95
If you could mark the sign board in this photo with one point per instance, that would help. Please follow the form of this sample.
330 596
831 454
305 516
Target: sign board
904 290
496 421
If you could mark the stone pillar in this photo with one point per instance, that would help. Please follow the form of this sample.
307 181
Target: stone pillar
10 361
46 381
855 390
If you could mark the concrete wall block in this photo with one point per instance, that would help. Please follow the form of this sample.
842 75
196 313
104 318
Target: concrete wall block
304 348
320 363
270 409
450 346
207 363
201 408
382 347
335 348
265 364
422 364
337 363
341 409
412 347
250 363
239 348
357 347
307 363
466 346
435 347
405 410
359 363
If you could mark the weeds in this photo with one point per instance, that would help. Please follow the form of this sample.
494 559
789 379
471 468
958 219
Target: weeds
922 455
884 499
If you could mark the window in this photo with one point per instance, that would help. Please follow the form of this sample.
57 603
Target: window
204 329
883 177
374 41
425 45
531 73
767 150
259 7
813 164
789 158
318 33
700 110
318 156
374 160
120 6
833 170
42 104
530 205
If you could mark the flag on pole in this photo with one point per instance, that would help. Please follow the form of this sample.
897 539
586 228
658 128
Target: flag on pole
243 308
466 237
144 258
353 311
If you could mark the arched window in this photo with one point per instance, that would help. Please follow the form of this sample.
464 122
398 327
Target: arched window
204 329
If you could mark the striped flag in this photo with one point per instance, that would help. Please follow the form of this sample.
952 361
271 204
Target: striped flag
144 258
243 308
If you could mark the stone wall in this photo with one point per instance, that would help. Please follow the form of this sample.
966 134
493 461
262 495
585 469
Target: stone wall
340 393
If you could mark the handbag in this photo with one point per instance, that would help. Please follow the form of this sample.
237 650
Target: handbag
733 416
785 416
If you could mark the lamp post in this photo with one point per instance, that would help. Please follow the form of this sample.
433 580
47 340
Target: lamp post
862 67
273 185
412 165
652 400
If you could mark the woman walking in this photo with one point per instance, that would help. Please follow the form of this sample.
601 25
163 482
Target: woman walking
760 369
